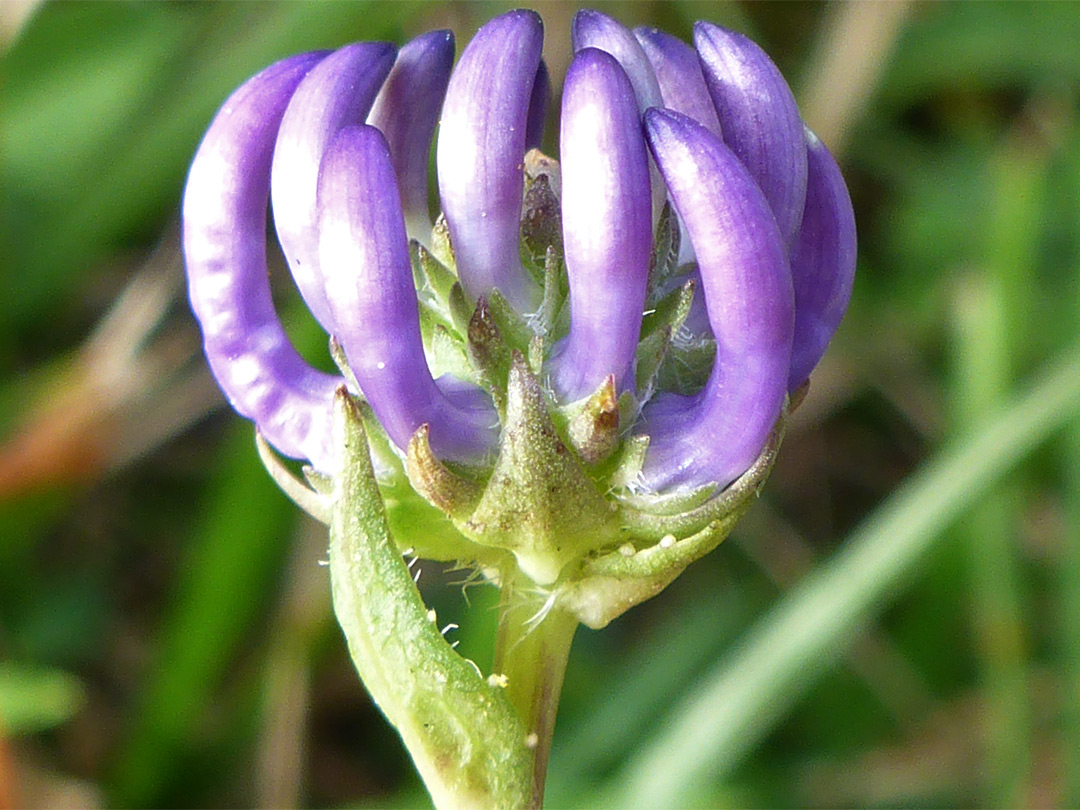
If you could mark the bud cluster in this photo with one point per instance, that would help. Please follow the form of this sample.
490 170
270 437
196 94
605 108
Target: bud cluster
584 364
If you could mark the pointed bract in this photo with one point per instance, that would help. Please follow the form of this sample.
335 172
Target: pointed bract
481 150
822 261
715 435
336 93
606 215
759 119
364 254
224 213
406 111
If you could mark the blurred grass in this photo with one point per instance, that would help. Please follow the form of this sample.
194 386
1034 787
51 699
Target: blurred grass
159 591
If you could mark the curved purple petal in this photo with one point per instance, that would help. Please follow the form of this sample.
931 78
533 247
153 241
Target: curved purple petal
594 29
715 435
678 72
822 261
759 119
607 225
406 111
364 254
224 214
337 93
538 105
480 154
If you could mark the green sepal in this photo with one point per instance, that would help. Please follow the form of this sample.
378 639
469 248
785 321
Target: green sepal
337 354
671 310
469 744
538 503
513 328
652 517
433 284
416 525
554 292
611 583
649 357
658 349
628 462
460 309
489 353
454 494
665 256
686 366
313 501
594 429
433 273
447 355
441 248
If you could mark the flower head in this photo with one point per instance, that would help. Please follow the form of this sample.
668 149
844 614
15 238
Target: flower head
599 348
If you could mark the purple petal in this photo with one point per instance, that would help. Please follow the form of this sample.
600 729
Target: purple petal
364 254
607 227
407 111
538 104
480 154
337 93
594 29
715 435
759 119
224 215
822 261
678 72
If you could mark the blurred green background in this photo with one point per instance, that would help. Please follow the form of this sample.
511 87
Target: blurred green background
897 622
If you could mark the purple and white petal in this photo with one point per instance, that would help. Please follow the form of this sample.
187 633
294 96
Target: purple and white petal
759 119
594 29
337 93
224 214
822 261
480 154
538 107
715 435
606 215
406 111
678 73
364 254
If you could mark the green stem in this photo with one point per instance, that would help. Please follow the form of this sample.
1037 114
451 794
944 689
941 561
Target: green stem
533 658
981 380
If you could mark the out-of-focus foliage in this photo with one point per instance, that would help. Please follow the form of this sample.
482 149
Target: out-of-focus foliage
896 623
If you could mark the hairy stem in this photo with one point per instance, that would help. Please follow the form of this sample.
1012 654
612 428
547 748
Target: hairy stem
532 650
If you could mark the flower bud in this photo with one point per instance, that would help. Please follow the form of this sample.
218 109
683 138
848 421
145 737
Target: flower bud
406 112
480 151
224 214
364 254
606 224
339 91
716 434
758 117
